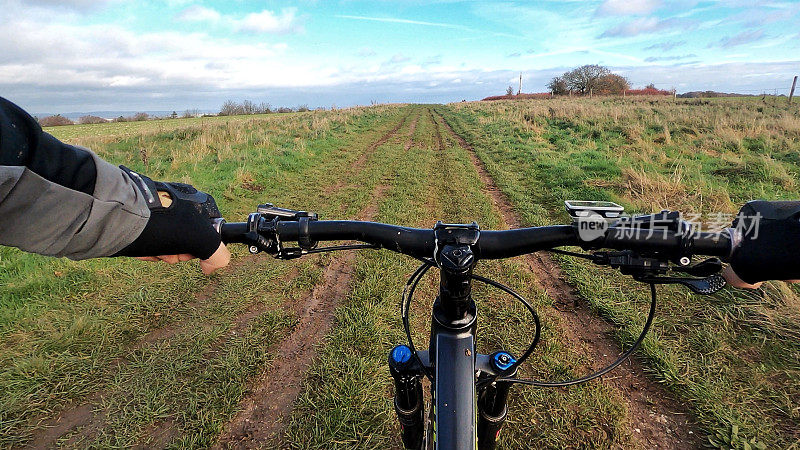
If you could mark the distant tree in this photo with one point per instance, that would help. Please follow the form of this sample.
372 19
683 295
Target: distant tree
248 107
510 91
585 78
55 121
302 108
285 109
174 115
263 108
231 108
189 113
91 119
611 84
140 117
121 119
650 86
558 86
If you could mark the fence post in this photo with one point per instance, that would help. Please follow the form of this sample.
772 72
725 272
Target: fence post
791 92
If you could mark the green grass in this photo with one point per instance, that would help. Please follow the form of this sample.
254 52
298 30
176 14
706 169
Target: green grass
734 356
74 332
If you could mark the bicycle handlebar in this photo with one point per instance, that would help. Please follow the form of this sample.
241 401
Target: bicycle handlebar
421 243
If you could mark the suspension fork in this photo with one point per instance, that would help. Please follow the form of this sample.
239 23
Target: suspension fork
408 403
493 401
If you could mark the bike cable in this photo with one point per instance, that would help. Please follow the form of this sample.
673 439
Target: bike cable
405 304
413 281
608 368
537 333
408 294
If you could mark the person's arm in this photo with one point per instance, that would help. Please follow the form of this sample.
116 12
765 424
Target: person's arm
62 200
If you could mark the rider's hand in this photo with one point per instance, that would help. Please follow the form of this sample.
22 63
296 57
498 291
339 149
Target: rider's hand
218 260
766 244
179 228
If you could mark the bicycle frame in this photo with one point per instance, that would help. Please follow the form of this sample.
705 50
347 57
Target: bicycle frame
462 417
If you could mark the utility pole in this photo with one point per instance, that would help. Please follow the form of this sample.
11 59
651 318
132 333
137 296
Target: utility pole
791 91
519 91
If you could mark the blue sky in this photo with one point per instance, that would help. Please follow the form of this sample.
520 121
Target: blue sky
84 55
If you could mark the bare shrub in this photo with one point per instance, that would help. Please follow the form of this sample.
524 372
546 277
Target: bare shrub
91 119
231 108
55 121
612 84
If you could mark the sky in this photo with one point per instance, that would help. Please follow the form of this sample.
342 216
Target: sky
95 55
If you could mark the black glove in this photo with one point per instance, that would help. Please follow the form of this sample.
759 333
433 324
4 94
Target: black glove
770 241
184 226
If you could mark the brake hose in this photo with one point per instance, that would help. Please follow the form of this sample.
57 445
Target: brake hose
408 294
405 304
605 370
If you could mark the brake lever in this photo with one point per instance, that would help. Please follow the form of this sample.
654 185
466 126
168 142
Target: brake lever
647 270
703 269
702 286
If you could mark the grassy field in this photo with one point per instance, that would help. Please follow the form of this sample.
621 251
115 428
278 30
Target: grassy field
119 353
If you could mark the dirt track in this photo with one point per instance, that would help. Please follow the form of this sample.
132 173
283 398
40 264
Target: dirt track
264 411
658 421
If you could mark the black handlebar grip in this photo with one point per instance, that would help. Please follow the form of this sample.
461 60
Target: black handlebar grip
713 244
233 232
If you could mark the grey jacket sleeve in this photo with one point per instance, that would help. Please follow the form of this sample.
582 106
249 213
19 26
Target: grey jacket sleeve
62 200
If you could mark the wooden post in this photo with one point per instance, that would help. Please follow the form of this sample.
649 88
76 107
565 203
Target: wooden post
591 91
623 92
791 91
519 91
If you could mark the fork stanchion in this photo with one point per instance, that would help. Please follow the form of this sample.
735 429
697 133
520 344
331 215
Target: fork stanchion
407 395
493 403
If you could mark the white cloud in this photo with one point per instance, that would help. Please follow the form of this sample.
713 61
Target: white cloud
197 13
366 52
627 7
66 4
644 25
665 46
269 22
403 21
399 58
745 37
266 21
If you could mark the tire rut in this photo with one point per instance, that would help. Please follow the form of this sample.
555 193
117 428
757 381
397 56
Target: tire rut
265 410
411 130
659 421
270 401
87 414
